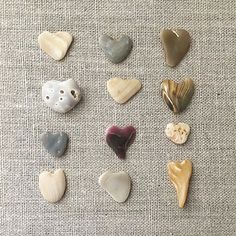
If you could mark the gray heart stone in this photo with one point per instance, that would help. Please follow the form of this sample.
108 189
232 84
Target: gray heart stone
115 49
55 144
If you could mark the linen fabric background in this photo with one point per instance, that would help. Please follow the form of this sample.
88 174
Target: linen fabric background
86 208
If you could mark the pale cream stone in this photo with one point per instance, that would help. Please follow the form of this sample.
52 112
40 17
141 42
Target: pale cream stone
180 174
118 184
177 133
52 185
55 44
121 90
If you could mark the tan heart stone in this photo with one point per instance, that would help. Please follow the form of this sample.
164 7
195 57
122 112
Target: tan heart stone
55 44
52 185
176 43
180 174
121 90
118 185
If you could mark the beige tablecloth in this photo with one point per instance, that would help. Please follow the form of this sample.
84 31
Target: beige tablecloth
152 208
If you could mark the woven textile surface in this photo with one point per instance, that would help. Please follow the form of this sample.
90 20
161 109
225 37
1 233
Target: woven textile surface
152 207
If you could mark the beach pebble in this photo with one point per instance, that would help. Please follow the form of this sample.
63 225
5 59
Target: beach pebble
61 96
177 133
55 144
180 174
116 50
119 139
121 90
176 43
118 185
55 44
52 185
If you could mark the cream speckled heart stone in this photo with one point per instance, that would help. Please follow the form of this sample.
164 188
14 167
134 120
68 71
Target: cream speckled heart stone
177 133
52 185
118 185
55 44
121 90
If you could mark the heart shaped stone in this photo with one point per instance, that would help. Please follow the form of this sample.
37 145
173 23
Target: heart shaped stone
177 133
176 43
180 174
121 90
55 144
119 139
61 96
52 185
118 185
177 95
115 49
55 44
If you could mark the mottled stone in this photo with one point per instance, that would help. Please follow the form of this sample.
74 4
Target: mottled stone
176 43
177 95
52 185
61 96
119 139
116 50
55 44
117 185
121 90
180 174
55 144
177 133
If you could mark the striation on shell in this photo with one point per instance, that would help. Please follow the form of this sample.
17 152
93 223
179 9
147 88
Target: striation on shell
177 95
121 90
56 44
61 96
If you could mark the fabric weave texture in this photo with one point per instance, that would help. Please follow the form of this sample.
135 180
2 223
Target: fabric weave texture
152 207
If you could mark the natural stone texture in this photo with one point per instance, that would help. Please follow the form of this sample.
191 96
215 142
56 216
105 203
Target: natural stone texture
52 185
176 43
177 133
55 44
55 144
177 95
118 185
180 174
119 139
61 96
121 90
116 50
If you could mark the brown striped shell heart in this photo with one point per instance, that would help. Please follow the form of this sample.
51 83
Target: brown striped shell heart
177 95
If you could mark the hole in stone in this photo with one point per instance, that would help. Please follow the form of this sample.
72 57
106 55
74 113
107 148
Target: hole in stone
61 99
73 93
47 97
61 91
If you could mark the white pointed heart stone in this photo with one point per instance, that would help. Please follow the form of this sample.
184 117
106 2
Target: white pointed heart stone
55 44
177 133
61 96
52 185
118 184
121 90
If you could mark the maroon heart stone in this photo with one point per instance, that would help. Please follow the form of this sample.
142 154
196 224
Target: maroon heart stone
119 139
